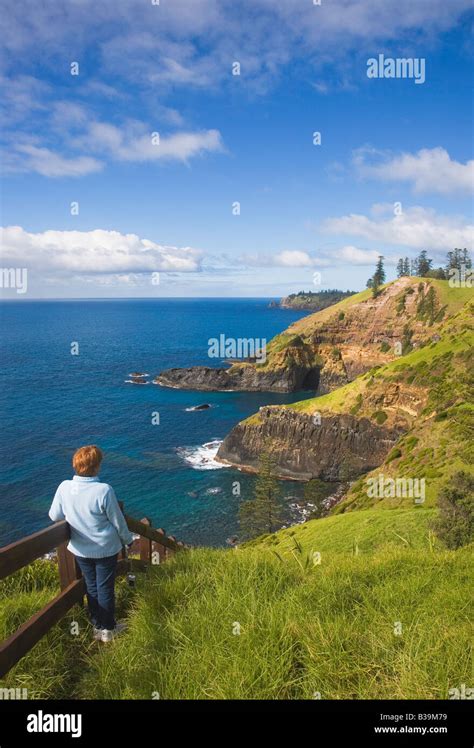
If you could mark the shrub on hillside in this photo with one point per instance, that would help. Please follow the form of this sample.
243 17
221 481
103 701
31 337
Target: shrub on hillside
455 524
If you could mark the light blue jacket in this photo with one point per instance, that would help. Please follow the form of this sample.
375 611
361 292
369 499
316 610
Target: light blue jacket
98 527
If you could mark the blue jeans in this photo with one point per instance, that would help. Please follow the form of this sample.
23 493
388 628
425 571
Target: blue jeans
99 577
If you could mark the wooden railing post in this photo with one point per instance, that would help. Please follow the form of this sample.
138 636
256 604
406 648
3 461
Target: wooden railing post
170 552
162 550
67 567
23 552
144 544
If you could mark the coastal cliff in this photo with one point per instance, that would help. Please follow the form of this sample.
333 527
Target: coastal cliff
412 417
340 447
332 347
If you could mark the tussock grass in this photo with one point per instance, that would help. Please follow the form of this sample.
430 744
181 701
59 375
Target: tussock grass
361 532
304 628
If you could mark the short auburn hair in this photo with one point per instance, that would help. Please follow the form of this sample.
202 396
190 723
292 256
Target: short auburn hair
86 460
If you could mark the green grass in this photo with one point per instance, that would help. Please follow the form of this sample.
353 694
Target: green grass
327 629
54 666
306 628
357 533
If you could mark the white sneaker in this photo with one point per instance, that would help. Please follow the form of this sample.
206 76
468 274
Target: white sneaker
109 634
97 634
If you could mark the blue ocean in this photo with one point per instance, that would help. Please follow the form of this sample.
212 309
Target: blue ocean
53 402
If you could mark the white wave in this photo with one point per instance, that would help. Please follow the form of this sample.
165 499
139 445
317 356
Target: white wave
203 456
135 381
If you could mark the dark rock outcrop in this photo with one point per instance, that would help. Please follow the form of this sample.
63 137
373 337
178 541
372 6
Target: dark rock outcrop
241 377
340 447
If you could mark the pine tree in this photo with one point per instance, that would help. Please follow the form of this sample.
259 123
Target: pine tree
450 260
458 258
406 266
263 513
400 268
465 257
423 263
379 275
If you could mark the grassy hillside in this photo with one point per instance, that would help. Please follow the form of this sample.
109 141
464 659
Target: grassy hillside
305 629
428 394
356 533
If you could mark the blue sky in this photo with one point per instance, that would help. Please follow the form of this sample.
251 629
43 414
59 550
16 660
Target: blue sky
393 173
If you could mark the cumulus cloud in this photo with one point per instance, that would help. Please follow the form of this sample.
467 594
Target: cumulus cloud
93 252
428 170
415 227
135 143
149 51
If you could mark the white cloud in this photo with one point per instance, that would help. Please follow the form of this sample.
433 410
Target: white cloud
416 227
294 258
191 43
135 143
50 164
93 252
289 258
428 170
356 256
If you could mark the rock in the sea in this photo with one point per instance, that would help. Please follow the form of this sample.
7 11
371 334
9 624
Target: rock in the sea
204 406
240 377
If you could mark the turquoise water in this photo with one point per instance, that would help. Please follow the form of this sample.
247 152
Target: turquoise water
52 402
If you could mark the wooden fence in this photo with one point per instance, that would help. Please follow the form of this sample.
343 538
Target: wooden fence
56 537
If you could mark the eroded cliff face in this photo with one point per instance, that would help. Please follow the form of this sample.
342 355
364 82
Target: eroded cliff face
335 438
330 348
333 448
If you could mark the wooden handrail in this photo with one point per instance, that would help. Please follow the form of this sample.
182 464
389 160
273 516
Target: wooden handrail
19 643
139 528
22 552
